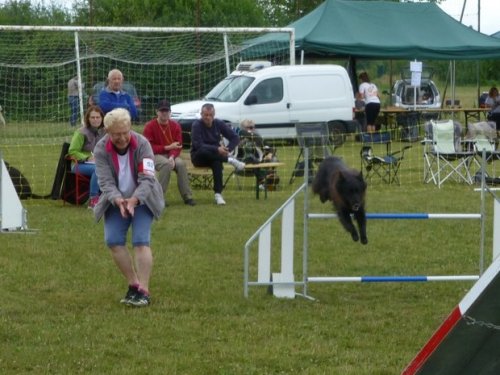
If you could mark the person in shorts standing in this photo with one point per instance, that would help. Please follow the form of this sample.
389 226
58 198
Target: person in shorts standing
130 197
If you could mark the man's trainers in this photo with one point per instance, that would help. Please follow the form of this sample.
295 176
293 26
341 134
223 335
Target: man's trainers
238 165
139 299
131 292
93 202
219 200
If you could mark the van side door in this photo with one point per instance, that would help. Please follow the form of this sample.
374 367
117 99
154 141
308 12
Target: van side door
266 105
320 96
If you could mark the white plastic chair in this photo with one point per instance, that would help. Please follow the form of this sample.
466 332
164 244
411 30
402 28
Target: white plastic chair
484 136
443 157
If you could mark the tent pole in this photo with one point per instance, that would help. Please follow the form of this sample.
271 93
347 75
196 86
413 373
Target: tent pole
351 70
445 86
478 94
390 79
453 94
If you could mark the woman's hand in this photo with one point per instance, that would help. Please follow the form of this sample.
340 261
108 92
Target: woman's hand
126 206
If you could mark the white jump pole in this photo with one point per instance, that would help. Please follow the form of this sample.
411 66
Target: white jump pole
283 283
403 216
496 229
386 279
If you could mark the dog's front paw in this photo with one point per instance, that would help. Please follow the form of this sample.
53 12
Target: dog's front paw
355 236
364 240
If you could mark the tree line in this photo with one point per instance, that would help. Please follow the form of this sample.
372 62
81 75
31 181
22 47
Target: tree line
204 13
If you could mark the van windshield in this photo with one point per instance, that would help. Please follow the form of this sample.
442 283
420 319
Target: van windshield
229 89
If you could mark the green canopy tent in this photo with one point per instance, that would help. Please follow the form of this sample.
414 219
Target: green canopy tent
380 30
383 30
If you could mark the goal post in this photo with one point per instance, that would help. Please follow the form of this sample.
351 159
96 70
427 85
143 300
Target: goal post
36 63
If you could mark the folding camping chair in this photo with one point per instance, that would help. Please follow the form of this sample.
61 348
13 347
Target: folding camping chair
443 155
483 136
71 186
385 167
316 137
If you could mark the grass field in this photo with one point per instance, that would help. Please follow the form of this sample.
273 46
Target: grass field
60 312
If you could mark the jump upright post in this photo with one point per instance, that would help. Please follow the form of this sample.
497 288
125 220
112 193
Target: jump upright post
283 283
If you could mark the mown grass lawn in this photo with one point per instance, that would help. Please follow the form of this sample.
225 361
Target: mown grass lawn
60 312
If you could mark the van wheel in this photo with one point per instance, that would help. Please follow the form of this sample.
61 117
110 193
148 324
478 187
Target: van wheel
337 131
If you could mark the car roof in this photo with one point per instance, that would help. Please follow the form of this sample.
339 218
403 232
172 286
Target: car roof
291 69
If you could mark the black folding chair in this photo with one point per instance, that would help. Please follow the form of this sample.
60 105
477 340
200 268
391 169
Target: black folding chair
71 187
385 167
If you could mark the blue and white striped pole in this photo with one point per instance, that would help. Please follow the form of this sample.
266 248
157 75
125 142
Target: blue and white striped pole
403 216
388 279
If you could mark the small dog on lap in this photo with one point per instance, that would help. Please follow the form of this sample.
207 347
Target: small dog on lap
345 188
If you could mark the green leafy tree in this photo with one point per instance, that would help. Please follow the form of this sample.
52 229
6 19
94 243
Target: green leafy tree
168 13
280 13
24 12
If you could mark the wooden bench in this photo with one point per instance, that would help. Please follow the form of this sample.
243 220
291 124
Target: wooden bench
199 177
202 177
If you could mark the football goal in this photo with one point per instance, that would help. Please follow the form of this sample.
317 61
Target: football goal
36 63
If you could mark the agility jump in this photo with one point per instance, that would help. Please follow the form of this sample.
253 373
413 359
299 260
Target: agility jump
283 283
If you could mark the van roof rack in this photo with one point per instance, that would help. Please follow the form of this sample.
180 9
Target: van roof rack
252 66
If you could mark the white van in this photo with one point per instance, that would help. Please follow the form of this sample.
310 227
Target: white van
278 97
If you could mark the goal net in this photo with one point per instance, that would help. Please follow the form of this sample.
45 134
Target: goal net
36 64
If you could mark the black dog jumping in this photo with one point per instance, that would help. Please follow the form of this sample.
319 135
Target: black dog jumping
346 189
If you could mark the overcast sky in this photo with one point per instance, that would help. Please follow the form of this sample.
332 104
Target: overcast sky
490 13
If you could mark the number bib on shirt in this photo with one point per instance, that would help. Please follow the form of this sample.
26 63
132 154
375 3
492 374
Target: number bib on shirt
147 167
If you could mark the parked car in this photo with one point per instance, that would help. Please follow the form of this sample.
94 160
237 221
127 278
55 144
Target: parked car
276 98
127 87
427 94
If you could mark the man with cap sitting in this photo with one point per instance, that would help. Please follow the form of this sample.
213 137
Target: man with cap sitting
165 137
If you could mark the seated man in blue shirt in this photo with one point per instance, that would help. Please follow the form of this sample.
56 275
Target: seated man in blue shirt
113 96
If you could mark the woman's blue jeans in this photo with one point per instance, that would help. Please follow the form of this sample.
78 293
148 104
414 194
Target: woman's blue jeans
88 169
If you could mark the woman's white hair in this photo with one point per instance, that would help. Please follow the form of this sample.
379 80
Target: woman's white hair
118 117
246 122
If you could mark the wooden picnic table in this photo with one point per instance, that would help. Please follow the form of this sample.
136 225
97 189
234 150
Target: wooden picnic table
390 113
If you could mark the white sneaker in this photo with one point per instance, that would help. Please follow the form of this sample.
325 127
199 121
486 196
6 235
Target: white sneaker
219 200
238 165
